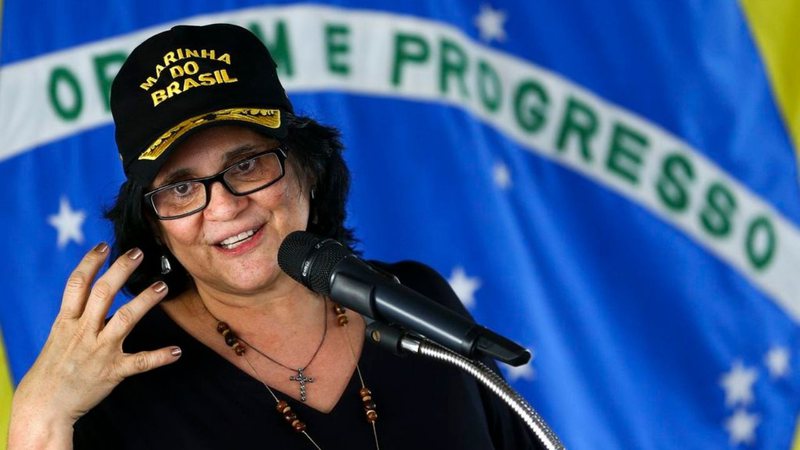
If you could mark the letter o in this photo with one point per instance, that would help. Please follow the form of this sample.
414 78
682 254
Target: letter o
62 79
761 242
191 68
489 86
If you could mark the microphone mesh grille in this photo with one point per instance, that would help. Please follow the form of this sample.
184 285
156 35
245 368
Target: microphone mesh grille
309 260
293 252
322 263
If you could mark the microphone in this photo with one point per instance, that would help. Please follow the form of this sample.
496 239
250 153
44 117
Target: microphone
327 267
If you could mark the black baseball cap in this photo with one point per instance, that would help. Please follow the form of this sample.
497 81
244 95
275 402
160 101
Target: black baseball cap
188 78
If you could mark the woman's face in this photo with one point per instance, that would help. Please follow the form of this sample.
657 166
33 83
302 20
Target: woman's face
248 266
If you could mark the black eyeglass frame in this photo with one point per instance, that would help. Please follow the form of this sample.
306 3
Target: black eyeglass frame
279 151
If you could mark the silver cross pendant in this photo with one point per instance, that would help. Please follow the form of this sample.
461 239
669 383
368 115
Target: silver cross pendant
302 379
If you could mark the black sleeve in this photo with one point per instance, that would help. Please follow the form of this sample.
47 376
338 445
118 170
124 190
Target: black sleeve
507 428
93 431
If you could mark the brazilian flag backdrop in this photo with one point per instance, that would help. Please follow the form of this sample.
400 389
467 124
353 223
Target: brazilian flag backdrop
612 184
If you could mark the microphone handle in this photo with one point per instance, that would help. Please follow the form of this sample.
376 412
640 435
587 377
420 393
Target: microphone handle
358 286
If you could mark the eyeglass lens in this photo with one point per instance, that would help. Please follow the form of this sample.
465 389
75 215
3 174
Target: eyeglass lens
244 177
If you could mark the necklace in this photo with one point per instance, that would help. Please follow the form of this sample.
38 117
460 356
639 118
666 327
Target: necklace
282 406
300 378
239 345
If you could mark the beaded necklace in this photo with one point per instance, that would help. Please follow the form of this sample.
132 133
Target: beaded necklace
238 344
239 347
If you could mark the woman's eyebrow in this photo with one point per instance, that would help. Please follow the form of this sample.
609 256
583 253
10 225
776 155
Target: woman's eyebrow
238 153
228 158
179 174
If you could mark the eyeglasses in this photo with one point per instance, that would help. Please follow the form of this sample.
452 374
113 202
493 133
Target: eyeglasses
187 197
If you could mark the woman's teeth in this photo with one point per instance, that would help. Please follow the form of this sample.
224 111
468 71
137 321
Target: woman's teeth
234 241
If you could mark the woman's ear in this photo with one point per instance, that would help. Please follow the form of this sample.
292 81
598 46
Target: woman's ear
156 230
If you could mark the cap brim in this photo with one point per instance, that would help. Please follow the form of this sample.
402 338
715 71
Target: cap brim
265 118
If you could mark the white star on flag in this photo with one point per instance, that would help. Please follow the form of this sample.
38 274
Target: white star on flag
741 427
464 286
490 24
501 175
68 223
738 384
525 371
777 361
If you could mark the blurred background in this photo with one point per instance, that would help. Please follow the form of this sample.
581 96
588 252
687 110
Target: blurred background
612 184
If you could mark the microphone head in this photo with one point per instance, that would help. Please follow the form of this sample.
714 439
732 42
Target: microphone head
310 260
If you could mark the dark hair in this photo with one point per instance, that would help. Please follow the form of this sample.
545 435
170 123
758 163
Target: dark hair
315 148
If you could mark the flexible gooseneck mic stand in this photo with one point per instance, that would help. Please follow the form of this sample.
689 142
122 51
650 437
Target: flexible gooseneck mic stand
329 268
401 342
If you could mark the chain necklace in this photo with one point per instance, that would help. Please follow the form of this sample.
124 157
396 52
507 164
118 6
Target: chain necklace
282 407
238 344
300 378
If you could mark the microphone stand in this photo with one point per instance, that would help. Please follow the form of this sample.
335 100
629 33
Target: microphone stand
400 342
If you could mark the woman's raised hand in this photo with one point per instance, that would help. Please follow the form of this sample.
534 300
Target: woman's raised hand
82 360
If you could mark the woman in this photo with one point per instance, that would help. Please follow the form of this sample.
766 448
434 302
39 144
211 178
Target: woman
219 171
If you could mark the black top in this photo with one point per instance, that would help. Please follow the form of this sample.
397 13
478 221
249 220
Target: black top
202 401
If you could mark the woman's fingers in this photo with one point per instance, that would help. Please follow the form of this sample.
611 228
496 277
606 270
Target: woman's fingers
129 314
107 286
80 281
82 360
137 363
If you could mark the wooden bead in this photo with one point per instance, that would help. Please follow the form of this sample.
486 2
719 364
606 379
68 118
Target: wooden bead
238 348
283 407
341 315
291 418
369 405
222 327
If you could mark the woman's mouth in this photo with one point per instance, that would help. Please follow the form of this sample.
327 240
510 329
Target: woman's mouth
235 241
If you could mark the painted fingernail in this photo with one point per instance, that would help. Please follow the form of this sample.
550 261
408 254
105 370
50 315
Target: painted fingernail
101 247
134 254
160 287
176 351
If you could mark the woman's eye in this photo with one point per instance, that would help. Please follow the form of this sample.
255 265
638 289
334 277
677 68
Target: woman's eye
245 165
182 189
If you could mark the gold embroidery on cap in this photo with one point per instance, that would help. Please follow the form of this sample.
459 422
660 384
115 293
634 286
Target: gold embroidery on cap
204 79
180 54
188 69
270 118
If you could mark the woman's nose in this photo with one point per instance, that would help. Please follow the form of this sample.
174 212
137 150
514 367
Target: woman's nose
223 205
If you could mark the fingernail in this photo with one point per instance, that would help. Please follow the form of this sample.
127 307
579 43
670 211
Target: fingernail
134 253
160 287
101 247
176 351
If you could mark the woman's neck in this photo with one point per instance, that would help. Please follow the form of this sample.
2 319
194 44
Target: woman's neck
291 308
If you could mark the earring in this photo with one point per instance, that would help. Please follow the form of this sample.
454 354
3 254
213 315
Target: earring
165 265
314 218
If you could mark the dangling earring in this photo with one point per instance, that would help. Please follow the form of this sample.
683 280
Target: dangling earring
314 218
166 268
